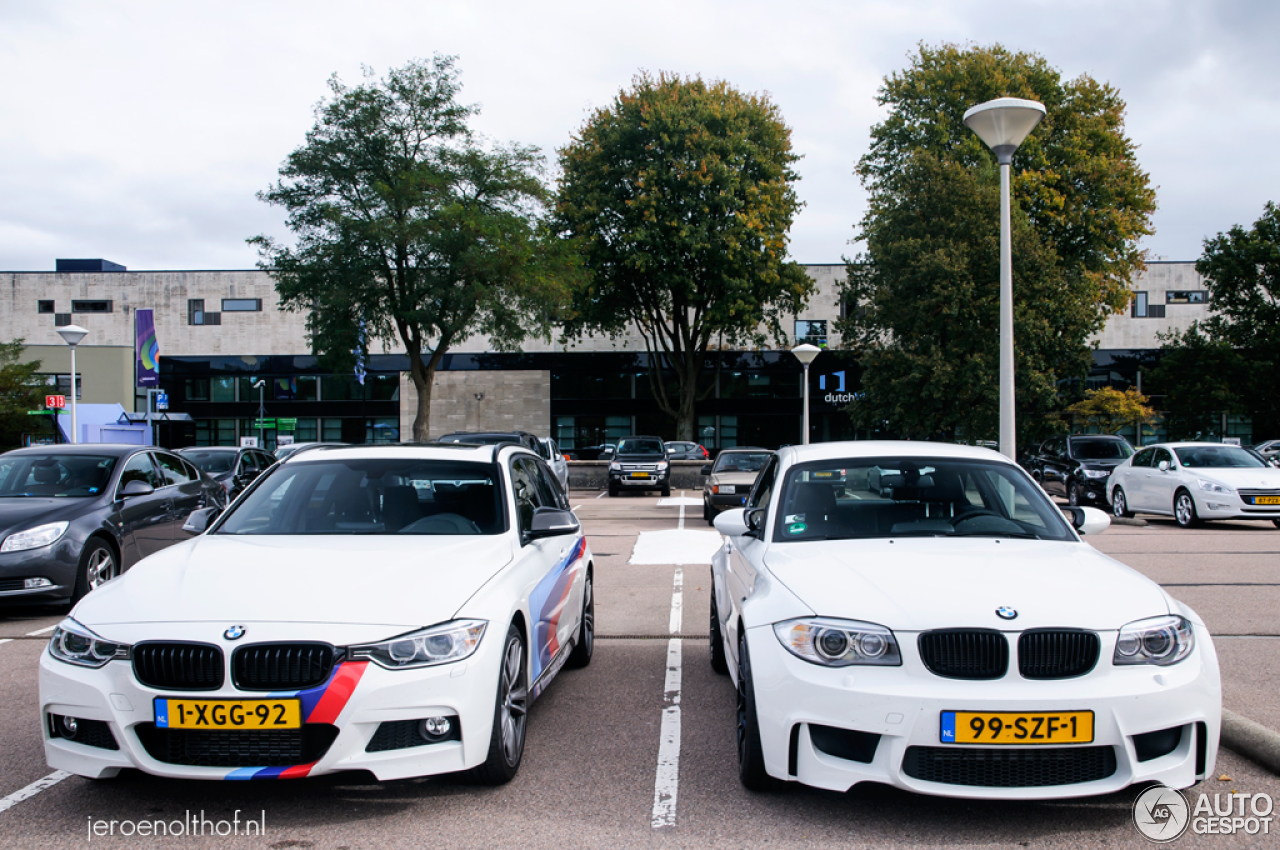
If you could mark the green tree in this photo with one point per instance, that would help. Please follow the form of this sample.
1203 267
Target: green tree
20 391
681 195
1108 409
1200 379
408 230
1079 206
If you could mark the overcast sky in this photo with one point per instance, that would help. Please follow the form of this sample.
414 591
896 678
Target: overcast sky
139 132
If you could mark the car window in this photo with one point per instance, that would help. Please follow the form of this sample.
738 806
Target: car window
173 470
741 462
529 491
1162 455
140 468
763 487
640 447
551 488
212 462
1086 449
402 495
57 476
922 497
1217 457
1143 458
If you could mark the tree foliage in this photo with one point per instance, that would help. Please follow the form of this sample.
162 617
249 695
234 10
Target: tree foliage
1228 362
409 230
928 285
1108 409
20 391
681 194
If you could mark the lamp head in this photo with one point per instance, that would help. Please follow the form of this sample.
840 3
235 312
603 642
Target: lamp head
1004 123
258 384
806 353
72 334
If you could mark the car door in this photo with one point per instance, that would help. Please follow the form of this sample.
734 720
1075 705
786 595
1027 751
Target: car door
1055 462
1162 483
744 557
144 520
1134 479
186 492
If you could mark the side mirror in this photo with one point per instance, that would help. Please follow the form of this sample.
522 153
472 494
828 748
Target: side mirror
1163 466
731 523
136 487
1087 521
551 522
706 469
198 520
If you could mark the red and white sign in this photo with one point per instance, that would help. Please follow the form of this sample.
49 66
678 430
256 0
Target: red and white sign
55 402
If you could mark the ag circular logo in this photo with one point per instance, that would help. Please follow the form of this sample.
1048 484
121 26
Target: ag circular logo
234 633
1161 814
1004 612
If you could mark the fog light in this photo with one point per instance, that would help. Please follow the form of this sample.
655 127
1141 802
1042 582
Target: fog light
435 728
33 583
1091 495
68 726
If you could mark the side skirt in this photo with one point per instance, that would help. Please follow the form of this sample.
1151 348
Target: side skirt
549 672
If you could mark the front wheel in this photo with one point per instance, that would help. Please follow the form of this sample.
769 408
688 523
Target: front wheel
666 491
1119 507
510 716
1073 494
751 770
586 643
613 490
1276 523
1184 509
97 567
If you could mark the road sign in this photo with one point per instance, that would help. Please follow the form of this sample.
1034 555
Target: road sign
162 400
265 423
55 402
248 442
287 424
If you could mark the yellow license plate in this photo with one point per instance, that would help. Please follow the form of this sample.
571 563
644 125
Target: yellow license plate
1266 500
1017 727
639 475
228 713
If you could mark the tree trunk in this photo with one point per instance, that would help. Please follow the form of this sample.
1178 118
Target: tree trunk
423 376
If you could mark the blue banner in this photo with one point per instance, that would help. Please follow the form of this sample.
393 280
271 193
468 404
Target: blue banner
147 348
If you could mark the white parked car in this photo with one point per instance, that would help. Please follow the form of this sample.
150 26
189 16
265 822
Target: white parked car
1196 481
551 453
385 608
956 637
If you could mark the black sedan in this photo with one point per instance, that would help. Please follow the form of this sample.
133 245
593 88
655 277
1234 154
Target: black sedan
231 467
73 517
1077 467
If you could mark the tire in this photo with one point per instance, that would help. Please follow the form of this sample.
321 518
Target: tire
1119 505
709 514
666 491
98 565
510 715
586 643
1184 509
613 490
751 772
718 661
1073 494
1276 523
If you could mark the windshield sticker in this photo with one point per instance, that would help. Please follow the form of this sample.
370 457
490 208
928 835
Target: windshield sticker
796 528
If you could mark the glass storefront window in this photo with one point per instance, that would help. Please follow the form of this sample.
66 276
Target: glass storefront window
382 430
340 388
222 389
383 387
332 430
760 385
196 389
583 385
305 431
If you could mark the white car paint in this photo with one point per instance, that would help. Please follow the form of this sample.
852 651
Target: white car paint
911 585
1216 492
339 589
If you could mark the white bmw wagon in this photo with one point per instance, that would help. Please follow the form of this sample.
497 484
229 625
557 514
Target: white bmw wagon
393 609
941 627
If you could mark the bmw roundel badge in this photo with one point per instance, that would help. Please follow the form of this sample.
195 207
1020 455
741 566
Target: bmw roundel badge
1004 612
234 633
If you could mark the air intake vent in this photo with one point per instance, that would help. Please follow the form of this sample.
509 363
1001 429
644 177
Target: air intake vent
1005 768
1057 653
281 666
178 666
965 653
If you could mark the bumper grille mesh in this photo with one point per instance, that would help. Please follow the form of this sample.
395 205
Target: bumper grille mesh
965 653
223 748
281 666
1002 768
178 666
1057 653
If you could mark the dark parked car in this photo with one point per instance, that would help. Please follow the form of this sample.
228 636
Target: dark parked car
72 517
1078 467
231 467
730 479
640 463
684 450
491 438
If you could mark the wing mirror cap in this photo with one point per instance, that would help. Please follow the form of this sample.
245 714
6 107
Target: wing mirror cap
136 487
1087 521
552 522
198 520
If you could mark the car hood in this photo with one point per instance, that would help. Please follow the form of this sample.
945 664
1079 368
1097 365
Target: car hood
1101 464
639 458
17 514
931 583
1249 479
389 581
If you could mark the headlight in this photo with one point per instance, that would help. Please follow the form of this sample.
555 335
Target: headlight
1159 640
426 647
662 464
34 538
75 644
615 466
1095 473
839 643
1211 486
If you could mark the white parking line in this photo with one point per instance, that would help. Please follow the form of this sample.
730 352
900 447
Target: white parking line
601 496
45 630
667 781
33 789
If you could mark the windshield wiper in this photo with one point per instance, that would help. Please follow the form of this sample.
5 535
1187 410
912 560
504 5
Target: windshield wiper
1021 535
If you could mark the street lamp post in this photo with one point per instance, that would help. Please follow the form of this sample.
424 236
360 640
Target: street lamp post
71 335
260 386
1002 124
805 354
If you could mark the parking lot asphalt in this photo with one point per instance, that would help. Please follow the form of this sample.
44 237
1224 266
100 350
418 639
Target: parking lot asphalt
592 758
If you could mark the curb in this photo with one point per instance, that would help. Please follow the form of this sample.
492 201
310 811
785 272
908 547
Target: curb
1251 740
1133 521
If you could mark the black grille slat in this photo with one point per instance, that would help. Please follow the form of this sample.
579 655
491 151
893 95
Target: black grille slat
965 653
281 666
238 748
1004 768
179 666
1057 653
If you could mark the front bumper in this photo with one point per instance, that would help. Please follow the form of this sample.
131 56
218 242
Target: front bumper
1215 506
903 706
726 501
358 698
58 563
654 479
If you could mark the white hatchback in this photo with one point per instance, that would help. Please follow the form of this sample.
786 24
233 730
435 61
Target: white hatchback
952 635
1196 481
393 609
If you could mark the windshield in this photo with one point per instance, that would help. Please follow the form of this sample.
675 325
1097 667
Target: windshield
372 496
214 463
56 475
1100 449
640 447
1221 457
741 462
862 498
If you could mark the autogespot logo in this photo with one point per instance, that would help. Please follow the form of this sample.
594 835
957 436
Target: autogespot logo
1161 814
